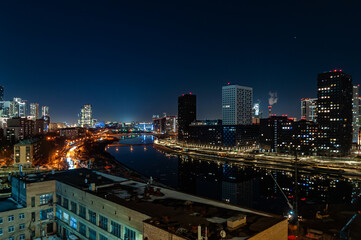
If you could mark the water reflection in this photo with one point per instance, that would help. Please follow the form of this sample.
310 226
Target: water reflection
241 184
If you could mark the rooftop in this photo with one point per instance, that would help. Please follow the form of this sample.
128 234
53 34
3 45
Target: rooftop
7 204
27 142
171 210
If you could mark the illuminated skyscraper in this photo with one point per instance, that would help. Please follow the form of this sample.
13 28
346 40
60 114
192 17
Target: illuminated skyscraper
34 111
309 109
334 114
17 108
237 105
85 116
355 113
45 111
1 93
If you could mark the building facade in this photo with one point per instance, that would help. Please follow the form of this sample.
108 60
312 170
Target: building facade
237 105
34 111
187 113
356 120
334 117
309 109
166 124
85 116
27 152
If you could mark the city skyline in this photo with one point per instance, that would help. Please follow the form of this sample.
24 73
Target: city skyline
130 63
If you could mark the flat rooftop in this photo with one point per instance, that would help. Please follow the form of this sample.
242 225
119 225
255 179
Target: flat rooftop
173 211
7 204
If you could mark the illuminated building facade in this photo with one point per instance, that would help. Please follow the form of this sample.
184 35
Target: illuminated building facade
85 116
17 108
34 111
26 152
1 93
309 109
355 114
334 94
305 135
187 113
207 132
237 105
166 124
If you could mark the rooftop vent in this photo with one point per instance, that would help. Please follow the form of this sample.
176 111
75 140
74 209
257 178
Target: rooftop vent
236 222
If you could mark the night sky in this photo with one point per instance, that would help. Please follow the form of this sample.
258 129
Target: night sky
132 59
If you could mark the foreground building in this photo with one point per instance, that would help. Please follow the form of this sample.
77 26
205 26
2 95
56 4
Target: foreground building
334 94
85 204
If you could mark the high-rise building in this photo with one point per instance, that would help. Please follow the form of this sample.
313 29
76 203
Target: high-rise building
45 111
85 116
1 93
34 111
166 124
17 108
187 113
237 105
334 114
309 109
355 113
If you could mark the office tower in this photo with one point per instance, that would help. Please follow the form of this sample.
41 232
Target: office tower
17 108
34 111
309 109
187 113
1 93
237 105
85 116
355 113
334 115
45 111
166 124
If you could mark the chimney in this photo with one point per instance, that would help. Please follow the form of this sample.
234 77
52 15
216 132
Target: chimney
269 111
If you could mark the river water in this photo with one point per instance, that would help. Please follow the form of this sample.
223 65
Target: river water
245 185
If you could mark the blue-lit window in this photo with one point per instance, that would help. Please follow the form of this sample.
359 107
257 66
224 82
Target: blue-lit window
46 198
73 223
58 213
129 234
116 229
1 232
82 229
92 234
92 217
44 214
103 222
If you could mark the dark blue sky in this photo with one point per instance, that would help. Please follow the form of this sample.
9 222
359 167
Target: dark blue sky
131 59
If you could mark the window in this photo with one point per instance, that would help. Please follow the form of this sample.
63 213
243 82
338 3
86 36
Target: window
46 198
59 213
73 223
1 232
129 234
21 215
22 237
92 217
115 229
11 218
1 220
21 226
65 203
33 216
11 229
92 234
46 214
82 229
101 237
82 211
11 238
32 201
66 217
73 207
103 222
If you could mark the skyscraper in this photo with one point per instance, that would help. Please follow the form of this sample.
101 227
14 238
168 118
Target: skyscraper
237 105
187 113
334 116
45 111
1 93
85 116
34 111
17 108
309 109
355 113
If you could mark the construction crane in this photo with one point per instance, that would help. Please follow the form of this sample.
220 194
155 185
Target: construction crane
345 231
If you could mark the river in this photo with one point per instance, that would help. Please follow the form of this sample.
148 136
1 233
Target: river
245 185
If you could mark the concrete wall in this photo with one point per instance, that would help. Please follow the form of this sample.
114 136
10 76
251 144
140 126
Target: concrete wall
276 232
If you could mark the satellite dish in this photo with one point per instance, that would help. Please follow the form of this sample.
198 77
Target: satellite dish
223 234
